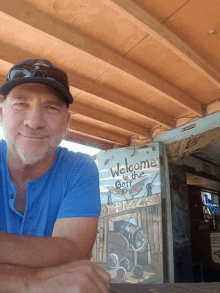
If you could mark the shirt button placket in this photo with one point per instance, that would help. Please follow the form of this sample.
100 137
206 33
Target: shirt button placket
12 196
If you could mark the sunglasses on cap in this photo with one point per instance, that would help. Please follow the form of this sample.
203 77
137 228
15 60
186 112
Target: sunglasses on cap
26 70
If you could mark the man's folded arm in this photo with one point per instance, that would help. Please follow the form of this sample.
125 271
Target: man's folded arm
73 239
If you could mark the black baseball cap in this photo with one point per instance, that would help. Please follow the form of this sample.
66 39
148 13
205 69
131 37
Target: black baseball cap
37 71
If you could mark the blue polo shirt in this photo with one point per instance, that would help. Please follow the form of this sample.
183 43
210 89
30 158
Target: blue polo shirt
70 188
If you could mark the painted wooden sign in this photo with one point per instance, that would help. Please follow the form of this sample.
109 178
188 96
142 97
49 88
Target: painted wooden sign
215 247
129 242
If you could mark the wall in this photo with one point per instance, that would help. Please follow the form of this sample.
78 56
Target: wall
181 223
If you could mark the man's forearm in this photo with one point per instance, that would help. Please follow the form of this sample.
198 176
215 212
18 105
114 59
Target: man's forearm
37 252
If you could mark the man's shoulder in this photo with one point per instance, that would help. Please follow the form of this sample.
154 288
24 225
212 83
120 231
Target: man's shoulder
2 143
74 158
2 146
75 164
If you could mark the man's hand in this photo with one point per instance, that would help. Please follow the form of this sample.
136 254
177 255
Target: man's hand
78 277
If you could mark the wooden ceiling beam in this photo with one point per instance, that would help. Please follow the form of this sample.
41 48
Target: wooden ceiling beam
89 141
120 99
105 117
98 132
2 79
98 124
48 24
144 20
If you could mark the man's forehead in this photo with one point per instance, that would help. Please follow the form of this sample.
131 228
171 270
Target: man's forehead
30 90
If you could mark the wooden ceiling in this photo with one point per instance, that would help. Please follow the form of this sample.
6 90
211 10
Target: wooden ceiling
136 68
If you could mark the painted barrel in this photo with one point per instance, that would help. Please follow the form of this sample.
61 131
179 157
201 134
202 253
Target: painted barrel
136 236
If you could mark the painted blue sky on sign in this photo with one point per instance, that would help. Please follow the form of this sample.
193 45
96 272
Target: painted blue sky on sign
129 173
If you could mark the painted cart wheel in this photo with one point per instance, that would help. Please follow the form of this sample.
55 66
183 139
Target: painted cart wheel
125 263
113 260
138 272
120 273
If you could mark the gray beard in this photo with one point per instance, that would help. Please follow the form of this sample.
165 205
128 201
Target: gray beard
30 159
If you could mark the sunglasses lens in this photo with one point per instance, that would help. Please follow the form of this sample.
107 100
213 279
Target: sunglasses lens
17 73
22 71
56 75
32 71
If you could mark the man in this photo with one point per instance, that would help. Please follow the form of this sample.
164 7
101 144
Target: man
49 197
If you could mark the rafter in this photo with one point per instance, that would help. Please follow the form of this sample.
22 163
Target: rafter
105 117
48 24
98 132
88 140
142 19
120 99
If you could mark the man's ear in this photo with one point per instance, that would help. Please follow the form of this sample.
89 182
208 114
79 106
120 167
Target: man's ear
66 131
68 118
1 113
67 125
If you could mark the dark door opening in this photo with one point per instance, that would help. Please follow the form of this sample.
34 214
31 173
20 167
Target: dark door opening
205 233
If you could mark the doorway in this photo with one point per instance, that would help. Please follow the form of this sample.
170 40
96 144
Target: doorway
195 198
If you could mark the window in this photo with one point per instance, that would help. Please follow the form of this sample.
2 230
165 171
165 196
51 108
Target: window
210 202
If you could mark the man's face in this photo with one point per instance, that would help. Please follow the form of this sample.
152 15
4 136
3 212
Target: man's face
34 120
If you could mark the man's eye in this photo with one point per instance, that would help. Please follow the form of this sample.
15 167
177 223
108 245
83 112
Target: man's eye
52 108
20 104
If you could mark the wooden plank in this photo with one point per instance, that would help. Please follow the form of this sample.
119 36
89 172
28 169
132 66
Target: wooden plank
115 109
193 23
105 126
98 132
144 20
165 288
120 99
93 113
213 107
81 138
161 10
2 79
111 59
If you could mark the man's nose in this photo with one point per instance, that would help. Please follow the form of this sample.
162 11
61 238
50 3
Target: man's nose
35 118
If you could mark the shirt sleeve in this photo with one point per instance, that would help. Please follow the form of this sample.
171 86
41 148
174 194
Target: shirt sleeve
82 197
